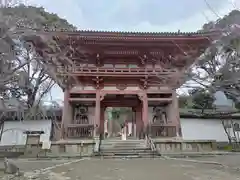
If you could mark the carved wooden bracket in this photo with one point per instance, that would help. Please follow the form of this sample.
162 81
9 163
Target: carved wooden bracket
143 58
102 96
98 62
141 96
98 81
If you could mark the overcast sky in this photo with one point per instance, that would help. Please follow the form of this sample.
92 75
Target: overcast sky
137 15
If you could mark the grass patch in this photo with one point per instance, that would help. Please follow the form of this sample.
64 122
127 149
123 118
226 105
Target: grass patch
228 148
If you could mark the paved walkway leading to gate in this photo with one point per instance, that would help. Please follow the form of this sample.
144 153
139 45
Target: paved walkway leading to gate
144 169
131 169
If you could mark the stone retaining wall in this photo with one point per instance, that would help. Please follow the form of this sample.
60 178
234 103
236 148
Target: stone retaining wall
11 151
63 148
184 146
78 148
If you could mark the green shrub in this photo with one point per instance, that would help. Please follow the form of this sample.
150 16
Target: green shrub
228 148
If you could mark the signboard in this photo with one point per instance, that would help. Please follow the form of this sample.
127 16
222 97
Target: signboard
46 145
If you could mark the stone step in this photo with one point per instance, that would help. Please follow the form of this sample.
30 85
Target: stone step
128 148
128 154
124 147
127 157
123 143
117 145
127 142
125 150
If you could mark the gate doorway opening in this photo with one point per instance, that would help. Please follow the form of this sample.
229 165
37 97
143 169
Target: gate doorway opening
121 116
119 123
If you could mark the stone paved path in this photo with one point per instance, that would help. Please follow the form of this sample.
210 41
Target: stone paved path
228 160
131 169
143 169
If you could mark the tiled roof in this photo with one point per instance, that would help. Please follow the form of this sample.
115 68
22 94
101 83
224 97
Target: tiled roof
131 33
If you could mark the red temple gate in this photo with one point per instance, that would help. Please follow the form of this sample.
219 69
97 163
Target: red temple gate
119 69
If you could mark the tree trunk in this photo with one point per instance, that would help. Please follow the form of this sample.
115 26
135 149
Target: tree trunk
228 135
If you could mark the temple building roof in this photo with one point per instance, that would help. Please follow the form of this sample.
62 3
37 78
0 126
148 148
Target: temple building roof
121 35
86 52
139 33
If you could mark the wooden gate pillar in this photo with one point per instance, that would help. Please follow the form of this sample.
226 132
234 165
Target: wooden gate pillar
66 114
143 97
175 113
97 118
145 113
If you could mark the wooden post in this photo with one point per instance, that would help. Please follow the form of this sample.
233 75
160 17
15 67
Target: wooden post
145 112
65 114
97 113
143 97
175 113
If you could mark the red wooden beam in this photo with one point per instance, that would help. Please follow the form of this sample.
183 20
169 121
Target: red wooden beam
134 92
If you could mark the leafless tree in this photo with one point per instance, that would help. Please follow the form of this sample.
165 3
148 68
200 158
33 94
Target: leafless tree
218 69
24 76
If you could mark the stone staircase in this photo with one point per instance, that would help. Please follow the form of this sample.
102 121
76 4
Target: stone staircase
131 148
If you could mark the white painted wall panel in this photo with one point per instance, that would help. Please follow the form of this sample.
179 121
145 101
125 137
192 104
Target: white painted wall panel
13 131
192 129
203 129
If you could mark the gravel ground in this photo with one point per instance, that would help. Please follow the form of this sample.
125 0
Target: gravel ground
130 169
31 165
232 161
142 169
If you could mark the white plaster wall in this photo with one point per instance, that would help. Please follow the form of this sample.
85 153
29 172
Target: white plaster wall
204 129
13 131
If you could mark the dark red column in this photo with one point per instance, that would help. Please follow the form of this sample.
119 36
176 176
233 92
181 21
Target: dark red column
145 110
97 120
175 114
143 97
65 114
102 119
